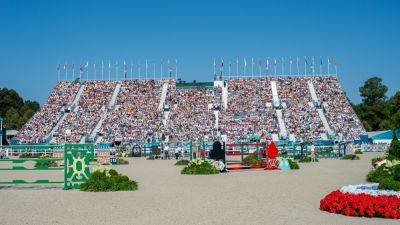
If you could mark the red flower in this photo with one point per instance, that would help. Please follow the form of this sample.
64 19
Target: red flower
361 205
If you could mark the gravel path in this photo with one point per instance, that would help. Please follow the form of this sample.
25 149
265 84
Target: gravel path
166 197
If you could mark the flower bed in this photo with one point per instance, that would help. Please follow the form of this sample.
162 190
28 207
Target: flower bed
201 166
363 201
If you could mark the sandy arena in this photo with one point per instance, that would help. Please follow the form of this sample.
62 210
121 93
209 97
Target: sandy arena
166 197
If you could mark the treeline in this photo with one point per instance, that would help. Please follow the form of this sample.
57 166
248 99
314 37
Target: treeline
377 111
14 110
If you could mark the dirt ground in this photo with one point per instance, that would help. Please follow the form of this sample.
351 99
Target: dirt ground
167 197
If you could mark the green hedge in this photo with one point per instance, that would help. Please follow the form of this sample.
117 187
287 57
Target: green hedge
104 180
200 166
350 157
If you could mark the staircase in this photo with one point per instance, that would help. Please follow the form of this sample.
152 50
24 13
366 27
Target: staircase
114 96
99 123
216 114
281 123
163 95
275 97
72 106
165 117
319 109
225 96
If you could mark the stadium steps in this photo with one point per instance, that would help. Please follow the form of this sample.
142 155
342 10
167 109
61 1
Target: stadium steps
99 123
278 108
163 95
225 96
111 104
281 122
165 118
319 110
216 114
73 106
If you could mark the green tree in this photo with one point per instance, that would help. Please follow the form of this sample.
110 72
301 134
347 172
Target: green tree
395 120
394 149
12 120
394 103
373 91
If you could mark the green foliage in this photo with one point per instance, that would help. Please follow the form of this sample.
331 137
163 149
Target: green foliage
200 166
389 184
14 110
108 180
350 157
121 161
306 159
375 160
26 155
394 149
293 164
377 174
358 152
152 157
46 163
249 160
373 91
182 162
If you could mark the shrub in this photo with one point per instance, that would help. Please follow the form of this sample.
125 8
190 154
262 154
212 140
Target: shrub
396 172
182 162
46 163
350 157
249 160
293 164
306 159
394 149
200 166
105 179
358 152
152 157
377 174
389 184
121 161
375 160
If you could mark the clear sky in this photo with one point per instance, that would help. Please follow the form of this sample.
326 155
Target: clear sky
37 35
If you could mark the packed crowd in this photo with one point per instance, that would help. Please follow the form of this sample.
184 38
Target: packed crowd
339 113
190 110
191 118
40 125
301 118
80 122
247 113
135 117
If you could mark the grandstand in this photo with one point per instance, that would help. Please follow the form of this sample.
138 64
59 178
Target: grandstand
292 108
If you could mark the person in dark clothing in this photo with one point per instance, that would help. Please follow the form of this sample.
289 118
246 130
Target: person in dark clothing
217 153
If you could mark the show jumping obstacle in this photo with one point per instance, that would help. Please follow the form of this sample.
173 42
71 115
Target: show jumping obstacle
76 160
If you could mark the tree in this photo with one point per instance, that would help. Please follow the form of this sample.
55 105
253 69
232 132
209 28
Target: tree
373 91
394 149
395 120
394 103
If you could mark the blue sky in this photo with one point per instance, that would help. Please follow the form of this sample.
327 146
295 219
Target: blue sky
37 35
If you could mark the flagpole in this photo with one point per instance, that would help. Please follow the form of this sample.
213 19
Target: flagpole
252 67
290 66
109 70
297 62
214 67
154 71
237 66
313 66
336 66
329 63
320 66
73 71
147 66
283 69
275 67
161 69
229 73
87 71
95 72
305 66
139 70
131 70
66 69
244 69
176 69
116 70
267 68
58 72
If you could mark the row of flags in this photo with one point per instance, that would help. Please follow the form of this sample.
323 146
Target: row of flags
309 64
150 66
